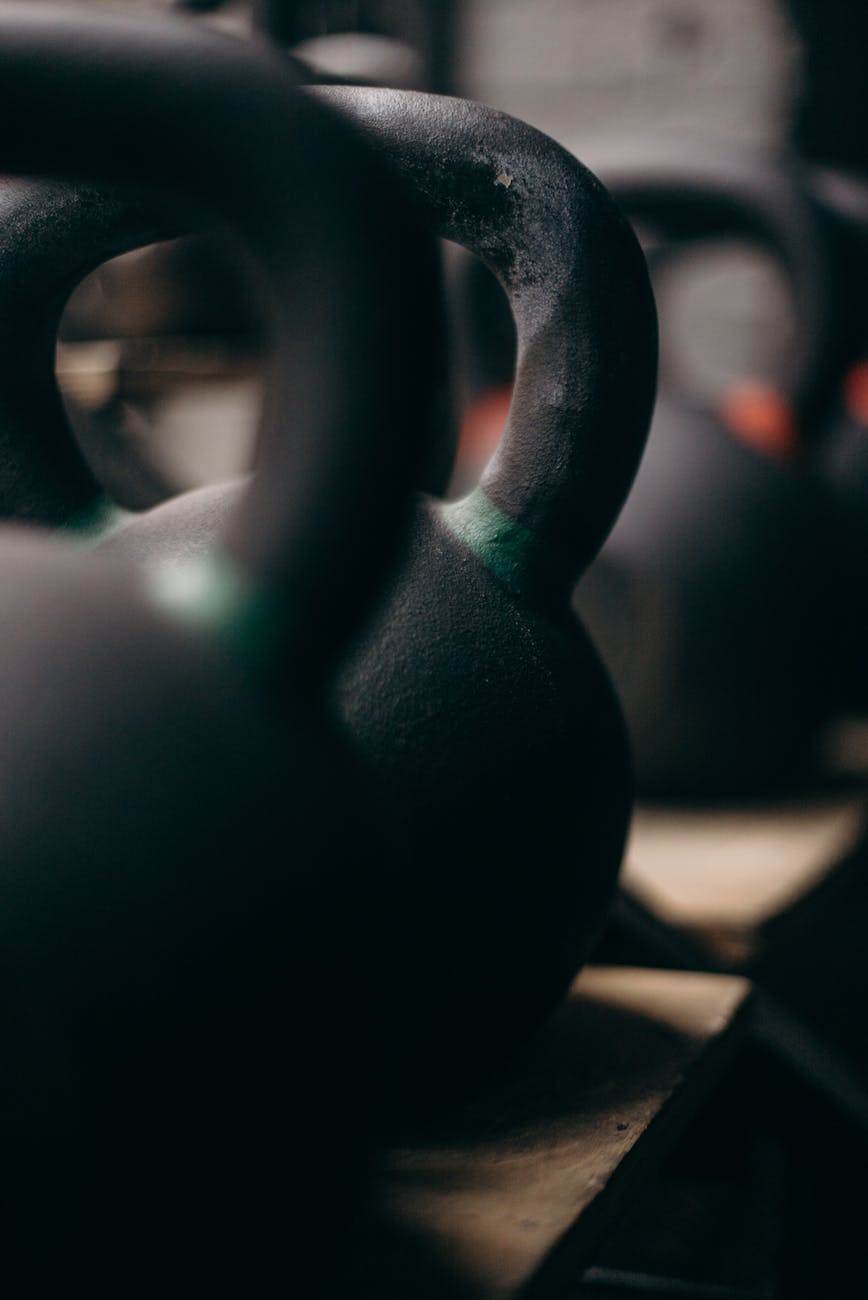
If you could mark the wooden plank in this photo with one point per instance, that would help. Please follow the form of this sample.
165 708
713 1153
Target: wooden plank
724 874
509 1197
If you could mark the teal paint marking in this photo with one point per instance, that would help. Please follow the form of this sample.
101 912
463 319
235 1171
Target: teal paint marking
95 523
211 593
514 553
221 599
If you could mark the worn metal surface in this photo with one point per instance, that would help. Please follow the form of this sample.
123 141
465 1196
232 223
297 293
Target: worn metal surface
475 695
511 1193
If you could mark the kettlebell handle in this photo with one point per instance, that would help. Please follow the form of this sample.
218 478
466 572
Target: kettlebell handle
164 102
578 288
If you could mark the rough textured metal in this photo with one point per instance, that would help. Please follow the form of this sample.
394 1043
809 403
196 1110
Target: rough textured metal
544 224
475 695
546 227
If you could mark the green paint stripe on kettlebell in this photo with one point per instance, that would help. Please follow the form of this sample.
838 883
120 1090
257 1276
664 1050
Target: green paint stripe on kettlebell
570 266
218 596
474 695
514 553
97 521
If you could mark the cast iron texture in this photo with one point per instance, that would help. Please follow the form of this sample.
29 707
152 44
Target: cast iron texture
476 694
191 878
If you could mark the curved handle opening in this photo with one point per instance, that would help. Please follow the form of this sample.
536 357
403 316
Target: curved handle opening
579 291
167 103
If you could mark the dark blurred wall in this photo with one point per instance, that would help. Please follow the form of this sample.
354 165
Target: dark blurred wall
610 77
426 26
584 69
830 119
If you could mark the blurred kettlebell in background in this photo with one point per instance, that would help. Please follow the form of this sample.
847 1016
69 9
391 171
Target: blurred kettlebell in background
194 893
476 696
842 441
828 419
714 602
711 602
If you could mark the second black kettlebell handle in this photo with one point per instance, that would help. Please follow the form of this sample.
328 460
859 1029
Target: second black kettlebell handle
735 193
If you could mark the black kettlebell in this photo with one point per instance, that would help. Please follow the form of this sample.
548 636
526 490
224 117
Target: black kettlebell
711 602
833 428
675 199
191 881
841 447
476 695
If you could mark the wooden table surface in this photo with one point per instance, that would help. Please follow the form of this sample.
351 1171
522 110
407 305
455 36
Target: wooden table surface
509 1197
724 874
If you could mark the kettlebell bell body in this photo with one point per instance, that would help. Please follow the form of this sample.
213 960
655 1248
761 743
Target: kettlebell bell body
475 695
711 607
183 956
